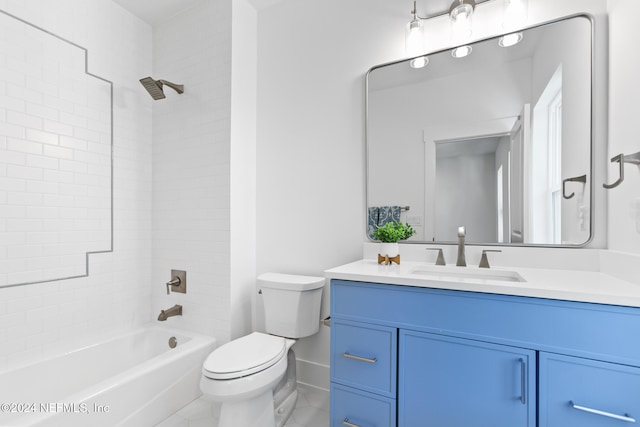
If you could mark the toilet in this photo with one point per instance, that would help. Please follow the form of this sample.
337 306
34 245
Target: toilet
254 377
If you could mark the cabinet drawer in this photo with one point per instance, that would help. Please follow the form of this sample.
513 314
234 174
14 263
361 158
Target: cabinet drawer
351 407
364 356
587 393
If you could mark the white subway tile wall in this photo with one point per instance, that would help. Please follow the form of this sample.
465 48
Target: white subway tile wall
37 321
56 179
191 174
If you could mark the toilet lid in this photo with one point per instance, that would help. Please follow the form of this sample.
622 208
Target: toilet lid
244 356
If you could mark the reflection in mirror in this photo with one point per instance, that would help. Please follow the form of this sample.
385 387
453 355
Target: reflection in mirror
55 157
487 140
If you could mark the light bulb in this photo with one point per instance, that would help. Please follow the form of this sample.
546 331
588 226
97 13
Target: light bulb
514 13
510 39
414 37
461 52
419 62
461 21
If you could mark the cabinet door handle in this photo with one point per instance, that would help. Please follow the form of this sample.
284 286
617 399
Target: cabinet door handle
360 358
624 417
523 381
348 424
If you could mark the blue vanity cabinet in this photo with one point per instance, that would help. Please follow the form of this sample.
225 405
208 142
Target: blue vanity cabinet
446 381
412 356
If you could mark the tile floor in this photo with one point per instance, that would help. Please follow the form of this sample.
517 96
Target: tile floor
312 410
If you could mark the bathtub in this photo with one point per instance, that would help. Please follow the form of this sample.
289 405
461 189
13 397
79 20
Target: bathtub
132 380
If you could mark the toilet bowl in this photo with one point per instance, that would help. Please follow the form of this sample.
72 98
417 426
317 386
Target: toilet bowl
253 377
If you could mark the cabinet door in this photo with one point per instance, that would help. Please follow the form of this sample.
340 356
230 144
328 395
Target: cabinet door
450 382
587 393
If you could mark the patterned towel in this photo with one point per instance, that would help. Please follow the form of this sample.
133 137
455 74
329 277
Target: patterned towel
379 216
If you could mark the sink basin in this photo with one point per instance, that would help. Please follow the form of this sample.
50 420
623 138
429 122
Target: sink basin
436 272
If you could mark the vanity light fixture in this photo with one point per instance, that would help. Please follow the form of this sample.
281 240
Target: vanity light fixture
461 52
419 62
460 13
510 39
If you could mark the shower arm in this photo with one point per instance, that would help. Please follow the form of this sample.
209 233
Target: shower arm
176 87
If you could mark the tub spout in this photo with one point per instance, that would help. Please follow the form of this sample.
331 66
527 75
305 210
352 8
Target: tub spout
176 310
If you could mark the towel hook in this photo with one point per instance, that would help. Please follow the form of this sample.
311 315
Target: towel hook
581 178
622 159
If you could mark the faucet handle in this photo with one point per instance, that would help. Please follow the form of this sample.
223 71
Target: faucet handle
173 282
484 261
440 259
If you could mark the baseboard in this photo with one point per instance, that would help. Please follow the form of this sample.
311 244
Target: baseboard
312 374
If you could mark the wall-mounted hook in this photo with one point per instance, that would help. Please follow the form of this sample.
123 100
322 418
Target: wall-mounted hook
582 179
622 159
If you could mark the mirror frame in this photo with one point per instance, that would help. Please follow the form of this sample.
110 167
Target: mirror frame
85 52
592 130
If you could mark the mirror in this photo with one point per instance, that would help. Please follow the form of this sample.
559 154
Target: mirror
499 141
55 157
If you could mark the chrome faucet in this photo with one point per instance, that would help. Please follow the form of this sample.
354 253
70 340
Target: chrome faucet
176 310
461 262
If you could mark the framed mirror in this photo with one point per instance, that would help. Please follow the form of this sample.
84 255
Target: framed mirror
56 121
499 141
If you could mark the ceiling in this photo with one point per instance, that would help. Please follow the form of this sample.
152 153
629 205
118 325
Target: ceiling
156 11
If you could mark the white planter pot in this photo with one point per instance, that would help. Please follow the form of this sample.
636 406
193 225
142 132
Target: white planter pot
389 249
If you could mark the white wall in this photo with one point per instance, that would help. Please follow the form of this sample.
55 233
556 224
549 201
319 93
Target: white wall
191 167
244 60
48 318
312 58
624 67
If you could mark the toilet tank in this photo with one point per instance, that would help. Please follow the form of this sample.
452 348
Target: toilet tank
291 304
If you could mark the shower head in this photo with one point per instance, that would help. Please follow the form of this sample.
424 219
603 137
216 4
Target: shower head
154 87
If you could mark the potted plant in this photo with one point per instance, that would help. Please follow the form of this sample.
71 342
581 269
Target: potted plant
390 234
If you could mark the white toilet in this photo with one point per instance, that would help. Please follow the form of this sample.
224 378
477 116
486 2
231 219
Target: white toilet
254 377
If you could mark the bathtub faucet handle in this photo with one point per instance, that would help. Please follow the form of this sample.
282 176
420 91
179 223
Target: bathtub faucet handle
178 282
173 282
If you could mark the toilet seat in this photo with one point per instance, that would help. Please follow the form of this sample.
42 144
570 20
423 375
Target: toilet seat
244 356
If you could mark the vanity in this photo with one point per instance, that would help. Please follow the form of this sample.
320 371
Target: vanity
424 345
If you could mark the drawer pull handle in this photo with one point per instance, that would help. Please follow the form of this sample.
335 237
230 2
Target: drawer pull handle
360 358
624 417
348 424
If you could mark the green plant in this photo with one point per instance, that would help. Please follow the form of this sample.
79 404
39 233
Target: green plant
391 232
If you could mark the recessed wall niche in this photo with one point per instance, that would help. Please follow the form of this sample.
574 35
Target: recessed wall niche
55 157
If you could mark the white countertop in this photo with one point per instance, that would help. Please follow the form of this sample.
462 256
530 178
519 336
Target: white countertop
570 285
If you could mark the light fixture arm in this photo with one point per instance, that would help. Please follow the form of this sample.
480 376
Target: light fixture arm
414 12
456 3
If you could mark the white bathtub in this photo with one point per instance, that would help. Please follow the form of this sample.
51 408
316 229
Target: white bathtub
133 380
